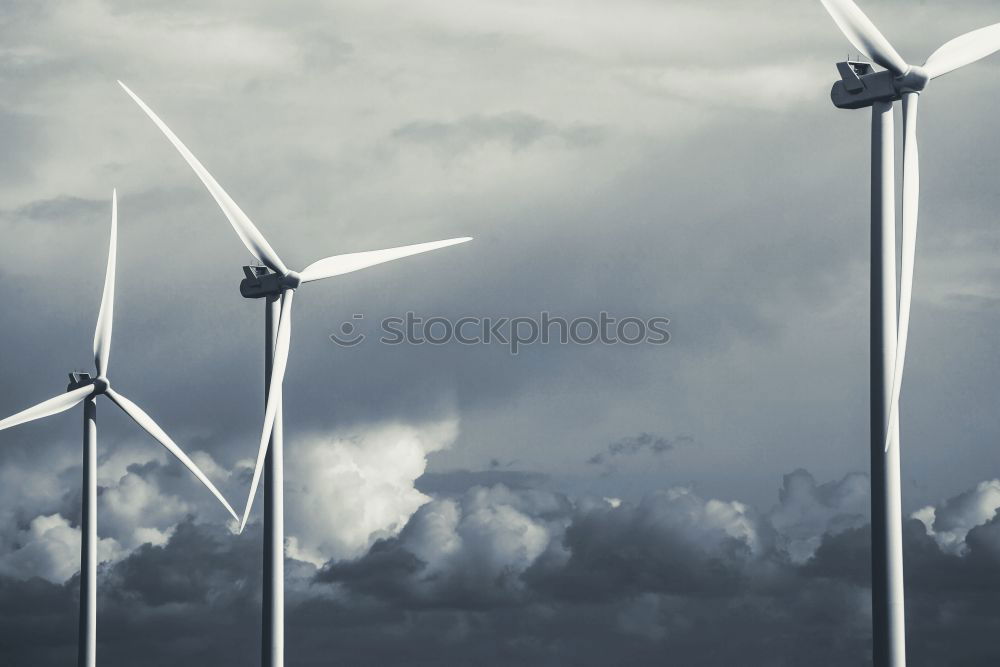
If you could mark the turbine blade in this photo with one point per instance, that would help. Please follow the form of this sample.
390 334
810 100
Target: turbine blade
278 366
340 264
248 233
146 422
911 202
53 406
865 37
964 50
102 336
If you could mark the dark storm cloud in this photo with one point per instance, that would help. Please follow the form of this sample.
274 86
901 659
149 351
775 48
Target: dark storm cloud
671 584
632 445
533 577
191 599
198 563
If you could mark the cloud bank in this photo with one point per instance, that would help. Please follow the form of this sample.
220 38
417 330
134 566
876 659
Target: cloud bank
502 574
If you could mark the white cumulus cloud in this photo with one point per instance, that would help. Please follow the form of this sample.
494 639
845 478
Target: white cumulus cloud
343 491
950 522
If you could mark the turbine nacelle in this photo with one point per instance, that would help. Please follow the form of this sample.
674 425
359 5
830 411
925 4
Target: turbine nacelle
78 380
861 86
260 282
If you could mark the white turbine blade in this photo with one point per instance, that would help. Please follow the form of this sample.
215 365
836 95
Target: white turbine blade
248 233
911 202
964 50
53 406
863 34
278 366
151 427
102 337
274 399
341 264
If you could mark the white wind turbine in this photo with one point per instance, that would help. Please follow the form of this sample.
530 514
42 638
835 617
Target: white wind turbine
860 86
279 290
83 388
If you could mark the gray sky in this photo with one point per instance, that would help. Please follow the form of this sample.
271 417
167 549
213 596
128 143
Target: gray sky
675 159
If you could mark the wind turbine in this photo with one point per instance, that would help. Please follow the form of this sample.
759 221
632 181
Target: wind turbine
278 289
83 388
860 87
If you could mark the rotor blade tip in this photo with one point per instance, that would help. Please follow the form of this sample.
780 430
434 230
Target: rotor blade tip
128 91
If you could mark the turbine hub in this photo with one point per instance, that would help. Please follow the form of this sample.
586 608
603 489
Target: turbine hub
78 380
861 86
915 80
292 280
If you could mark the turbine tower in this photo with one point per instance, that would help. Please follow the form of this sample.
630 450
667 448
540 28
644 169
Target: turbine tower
276 284
83 388
861 87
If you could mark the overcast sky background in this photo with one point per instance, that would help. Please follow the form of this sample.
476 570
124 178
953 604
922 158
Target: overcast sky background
449 504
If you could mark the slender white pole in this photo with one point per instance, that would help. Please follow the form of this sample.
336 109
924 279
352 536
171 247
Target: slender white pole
273 635
887 543
87 656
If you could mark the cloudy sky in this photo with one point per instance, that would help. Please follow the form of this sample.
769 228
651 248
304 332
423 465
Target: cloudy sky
702 502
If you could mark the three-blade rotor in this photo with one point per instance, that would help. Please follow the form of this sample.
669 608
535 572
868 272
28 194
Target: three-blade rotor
101 385
910 80
258 245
